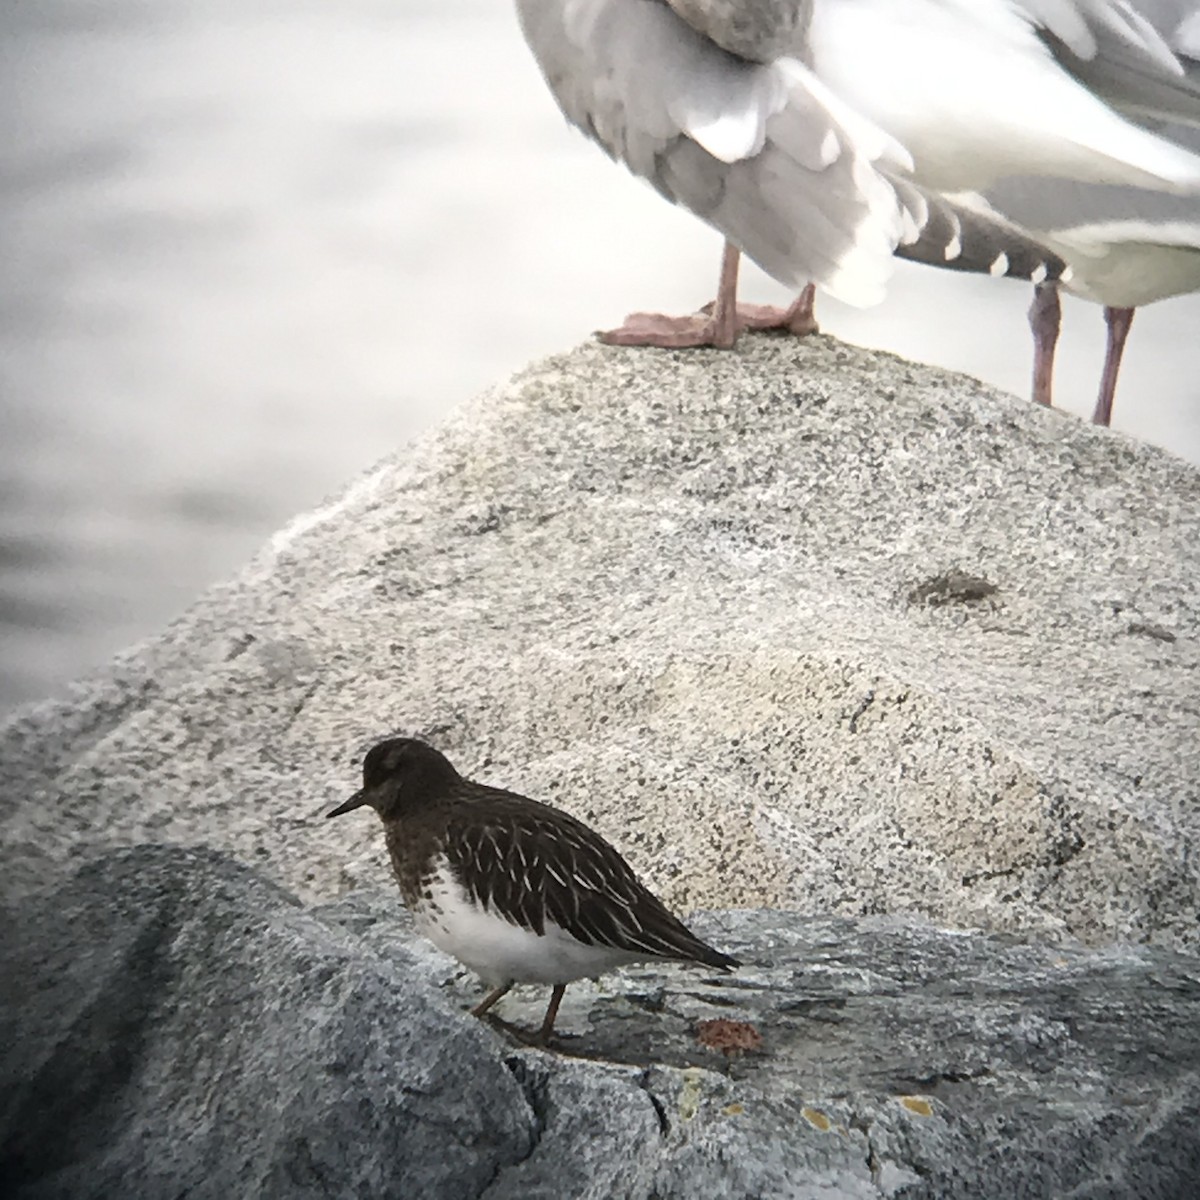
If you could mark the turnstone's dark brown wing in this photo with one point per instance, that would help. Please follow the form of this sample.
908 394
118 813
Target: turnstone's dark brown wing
533 864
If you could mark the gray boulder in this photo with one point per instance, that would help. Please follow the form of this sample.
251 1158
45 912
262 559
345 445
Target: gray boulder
802 629
172 1024
799 626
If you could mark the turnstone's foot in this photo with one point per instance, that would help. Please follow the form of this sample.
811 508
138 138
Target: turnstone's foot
491 999
543 1035
522 1037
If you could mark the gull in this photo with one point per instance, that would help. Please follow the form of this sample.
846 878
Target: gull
1130 246
1019 101
715 104
1127 247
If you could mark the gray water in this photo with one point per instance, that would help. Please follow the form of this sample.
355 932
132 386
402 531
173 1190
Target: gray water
249 247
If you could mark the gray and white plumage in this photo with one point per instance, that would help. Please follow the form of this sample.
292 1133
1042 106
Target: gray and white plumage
977 90
1073 118
1131 246
1128 245
753 142
1156 90
994 96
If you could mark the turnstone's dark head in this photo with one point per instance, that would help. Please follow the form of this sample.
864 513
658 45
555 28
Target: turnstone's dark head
398 775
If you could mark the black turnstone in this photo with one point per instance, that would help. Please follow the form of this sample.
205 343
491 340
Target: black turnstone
514 889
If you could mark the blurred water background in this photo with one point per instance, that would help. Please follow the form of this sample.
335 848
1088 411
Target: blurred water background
250 246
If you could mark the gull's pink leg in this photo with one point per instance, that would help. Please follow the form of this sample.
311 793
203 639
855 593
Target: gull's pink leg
718 328
798 319
1045 316
1119 320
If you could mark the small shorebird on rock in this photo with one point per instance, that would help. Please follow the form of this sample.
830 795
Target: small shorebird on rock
514 889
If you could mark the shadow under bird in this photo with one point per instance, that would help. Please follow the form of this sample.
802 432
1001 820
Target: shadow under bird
517 891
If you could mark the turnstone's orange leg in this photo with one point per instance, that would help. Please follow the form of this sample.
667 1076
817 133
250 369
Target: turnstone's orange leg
490 999
556 996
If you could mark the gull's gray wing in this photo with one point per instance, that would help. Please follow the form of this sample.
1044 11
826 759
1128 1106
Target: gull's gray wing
761 151
1142 56
975 92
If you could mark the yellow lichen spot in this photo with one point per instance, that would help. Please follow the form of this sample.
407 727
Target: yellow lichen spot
817 1119
689 1094
918 1105
733 1110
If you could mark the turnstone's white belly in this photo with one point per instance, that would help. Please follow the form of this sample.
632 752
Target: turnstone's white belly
498 950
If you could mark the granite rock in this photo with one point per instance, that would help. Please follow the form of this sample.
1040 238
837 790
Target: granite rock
798 626
173 1025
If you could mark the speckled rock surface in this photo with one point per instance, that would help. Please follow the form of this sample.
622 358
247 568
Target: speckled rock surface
177 1025
799 625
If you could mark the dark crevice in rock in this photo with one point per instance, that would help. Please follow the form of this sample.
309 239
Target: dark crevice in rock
928 1083
238 645
297 707
664 1123
860 711
1147 629
861 1124
532 1080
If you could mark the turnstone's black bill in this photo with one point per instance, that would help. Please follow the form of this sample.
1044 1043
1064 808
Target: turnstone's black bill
514 889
